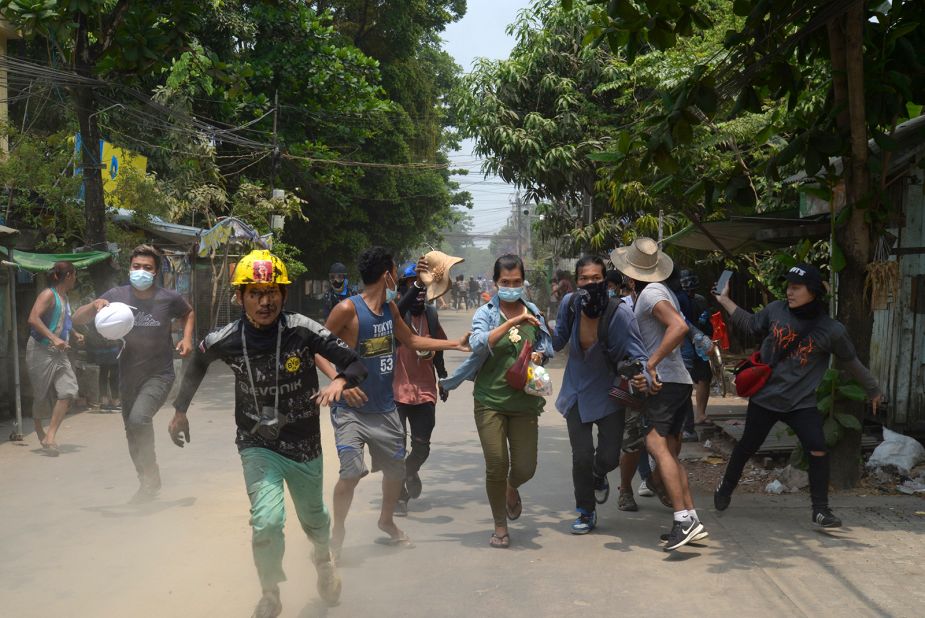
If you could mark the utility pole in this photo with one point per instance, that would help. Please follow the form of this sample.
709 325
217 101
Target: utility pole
517 224
275 163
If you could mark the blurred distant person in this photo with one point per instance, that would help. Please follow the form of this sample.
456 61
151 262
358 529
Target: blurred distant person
338 289
474 290
697 313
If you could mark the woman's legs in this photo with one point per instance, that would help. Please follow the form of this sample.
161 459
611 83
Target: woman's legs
758 423
807 424
493 430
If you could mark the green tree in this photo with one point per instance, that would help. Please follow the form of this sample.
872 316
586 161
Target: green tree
865 54
102 40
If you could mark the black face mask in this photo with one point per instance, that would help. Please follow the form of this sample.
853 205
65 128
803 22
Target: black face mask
809 311
419 304
337 283
595 299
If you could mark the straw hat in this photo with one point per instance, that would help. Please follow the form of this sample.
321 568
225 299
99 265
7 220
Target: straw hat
642 261
437 278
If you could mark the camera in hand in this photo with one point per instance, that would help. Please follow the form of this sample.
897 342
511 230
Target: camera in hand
622 390
629 368
270 424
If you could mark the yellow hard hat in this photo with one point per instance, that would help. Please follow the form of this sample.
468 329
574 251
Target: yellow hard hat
260 266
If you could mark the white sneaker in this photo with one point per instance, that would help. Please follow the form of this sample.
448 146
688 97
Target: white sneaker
644 490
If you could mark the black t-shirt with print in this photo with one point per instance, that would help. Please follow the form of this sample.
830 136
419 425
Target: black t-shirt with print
300 339
149 346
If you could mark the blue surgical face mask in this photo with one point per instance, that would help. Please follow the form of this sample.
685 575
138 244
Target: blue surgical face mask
611 293
141 280
510 295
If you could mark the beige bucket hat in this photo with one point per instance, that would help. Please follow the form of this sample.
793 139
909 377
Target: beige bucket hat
642 261
437 278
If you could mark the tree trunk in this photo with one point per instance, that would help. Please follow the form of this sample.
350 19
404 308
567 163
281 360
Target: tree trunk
853 237
94 202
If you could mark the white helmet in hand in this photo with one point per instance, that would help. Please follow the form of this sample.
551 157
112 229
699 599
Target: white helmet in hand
114 321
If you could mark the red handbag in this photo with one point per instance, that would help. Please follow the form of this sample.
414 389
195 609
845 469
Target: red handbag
516 375
751 375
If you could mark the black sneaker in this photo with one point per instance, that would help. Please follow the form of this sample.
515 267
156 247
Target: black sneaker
697 537
721 500
413 484
683 533
825 518
601 489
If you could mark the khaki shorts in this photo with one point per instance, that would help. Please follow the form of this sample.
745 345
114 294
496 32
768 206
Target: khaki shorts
633 432
382 432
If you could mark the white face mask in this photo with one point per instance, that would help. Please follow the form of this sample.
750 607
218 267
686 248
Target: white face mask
141 280
390 294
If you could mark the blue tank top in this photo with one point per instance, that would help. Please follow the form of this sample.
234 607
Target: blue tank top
376 349
60 312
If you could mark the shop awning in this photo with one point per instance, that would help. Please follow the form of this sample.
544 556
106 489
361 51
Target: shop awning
42 262
181 235
746 234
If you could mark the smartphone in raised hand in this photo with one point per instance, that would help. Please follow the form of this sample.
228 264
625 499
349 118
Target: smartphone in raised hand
723 281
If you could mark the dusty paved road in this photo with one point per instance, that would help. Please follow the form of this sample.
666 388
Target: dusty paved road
70 546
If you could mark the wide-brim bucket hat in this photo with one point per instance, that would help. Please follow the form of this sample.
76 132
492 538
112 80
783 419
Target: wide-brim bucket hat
437 278
642 261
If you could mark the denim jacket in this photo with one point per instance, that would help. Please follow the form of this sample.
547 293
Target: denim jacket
486 319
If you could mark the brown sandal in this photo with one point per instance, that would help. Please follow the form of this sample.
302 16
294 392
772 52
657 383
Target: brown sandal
500 541
513 512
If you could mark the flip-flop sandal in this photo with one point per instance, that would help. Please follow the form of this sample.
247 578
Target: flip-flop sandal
515 511
51 450
502 541
390 541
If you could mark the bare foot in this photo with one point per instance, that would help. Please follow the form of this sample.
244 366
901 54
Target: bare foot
337 539
396 536
40 434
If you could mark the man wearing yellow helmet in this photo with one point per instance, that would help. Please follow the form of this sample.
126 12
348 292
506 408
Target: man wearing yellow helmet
272 354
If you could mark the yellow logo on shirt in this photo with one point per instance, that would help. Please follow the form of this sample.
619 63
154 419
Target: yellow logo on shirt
293 364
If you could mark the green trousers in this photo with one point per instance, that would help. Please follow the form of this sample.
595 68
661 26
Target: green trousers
264 473
509 443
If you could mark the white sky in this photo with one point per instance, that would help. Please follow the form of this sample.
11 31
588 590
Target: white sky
481 34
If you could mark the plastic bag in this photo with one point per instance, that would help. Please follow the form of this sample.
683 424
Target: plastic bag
539 382
897 450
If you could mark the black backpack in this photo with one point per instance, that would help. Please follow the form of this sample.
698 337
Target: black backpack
603 324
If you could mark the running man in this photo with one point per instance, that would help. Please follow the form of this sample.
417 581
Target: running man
584 399
146 364
271 353
365 322
663 328
415 382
